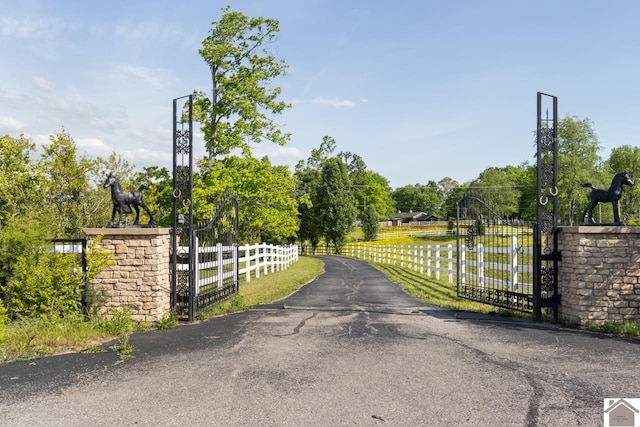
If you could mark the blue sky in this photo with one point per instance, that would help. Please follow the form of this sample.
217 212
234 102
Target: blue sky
421 90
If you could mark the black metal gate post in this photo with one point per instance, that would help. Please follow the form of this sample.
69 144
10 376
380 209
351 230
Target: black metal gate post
183 282
546 254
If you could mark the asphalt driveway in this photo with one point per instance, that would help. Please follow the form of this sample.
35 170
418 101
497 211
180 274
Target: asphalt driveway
350 348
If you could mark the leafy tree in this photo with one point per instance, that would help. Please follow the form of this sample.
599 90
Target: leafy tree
66 185
242 71
265 193
158 197
627 158
418 197
446 185
21 180
372 190
370 224
334 203
578 162
499 188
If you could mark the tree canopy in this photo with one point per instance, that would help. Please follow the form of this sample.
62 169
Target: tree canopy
243 99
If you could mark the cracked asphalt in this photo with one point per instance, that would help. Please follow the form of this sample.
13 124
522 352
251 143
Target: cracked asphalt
348 349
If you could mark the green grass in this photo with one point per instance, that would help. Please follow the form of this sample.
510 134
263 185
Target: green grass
33 338
270 288
436 292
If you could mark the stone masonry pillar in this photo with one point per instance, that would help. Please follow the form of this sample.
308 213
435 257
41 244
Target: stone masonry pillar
140 276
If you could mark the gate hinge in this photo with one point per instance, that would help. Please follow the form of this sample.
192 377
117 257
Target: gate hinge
553 256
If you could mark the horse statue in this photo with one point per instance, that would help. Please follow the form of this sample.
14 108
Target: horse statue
612 195
124 200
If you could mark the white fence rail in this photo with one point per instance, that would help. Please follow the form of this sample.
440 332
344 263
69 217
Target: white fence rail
477 265
257 259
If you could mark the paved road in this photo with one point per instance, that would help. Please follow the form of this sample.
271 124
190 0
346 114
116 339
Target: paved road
348 349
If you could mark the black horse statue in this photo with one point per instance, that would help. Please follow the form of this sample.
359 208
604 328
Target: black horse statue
612 195
124 200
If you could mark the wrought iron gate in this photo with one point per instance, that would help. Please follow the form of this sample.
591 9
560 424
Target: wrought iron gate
495 256
525 275
204 256
546 236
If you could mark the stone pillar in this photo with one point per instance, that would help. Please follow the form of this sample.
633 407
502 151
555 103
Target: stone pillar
599 274
140 276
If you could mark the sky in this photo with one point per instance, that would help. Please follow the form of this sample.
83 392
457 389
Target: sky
421 90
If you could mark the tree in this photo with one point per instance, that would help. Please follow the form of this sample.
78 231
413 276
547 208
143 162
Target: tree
499 188
578 162
418 197
446 186
627 158
21 180
265 193
334 203
66 185
242 99
372 190
370 224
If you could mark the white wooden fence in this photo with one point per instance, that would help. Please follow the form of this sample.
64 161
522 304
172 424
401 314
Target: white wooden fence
257 259
441 262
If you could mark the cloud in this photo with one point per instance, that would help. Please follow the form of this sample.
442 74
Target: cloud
141 73
10 124
94 147
27 28
339 103
43 83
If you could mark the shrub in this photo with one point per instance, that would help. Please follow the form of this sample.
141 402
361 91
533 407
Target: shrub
3 320
43 283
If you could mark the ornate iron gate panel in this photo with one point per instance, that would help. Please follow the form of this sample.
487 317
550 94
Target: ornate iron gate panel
546 237
204 258
495 257
182 264
216 267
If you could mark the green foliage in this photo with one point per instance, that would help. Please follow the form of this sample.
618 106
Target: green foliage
65 185
243 98
370 224
21 180
418 198
44 283
334 203
3 320
627 158
265 193
578 162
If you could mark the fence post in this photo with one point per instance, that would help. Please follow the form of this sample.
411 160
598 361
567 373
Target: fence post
421 255
257 265
429 261
197 265
463 265
513 263
220 264
437 264
247 255
480 262
450 264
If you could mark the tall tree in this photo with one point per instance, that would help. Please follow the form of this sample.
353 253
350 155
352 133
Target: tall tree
627 158
334 203
66 185
418 197
578 162
243 99
370 224
21 179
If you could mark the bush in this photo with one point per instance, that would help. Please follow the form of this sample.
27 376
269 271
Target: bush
44 283
3 320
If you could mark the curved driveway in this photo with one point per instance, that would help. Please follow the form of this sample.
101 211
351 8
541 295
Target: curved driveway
350 348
